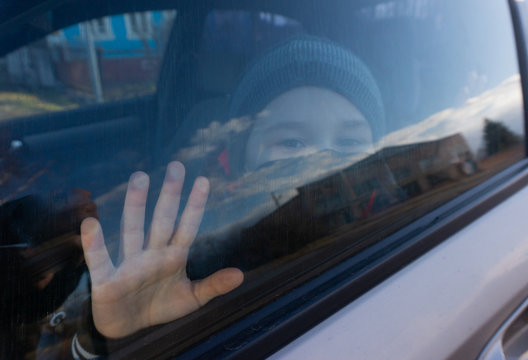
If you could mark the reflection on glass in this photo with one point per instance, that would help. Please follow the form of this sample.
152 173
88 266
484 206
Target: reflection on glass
315 146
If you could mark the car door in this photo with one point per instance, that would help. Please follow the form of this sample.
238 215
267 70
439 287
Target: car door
411 247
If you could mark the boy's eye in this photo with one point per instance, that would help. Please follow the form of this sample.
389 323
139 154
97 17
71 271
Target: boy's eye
291 143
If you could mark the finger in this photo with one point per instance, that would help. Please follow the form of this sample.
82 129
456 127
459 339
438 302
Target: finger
133 220
193 213
167 206
95 252
219 283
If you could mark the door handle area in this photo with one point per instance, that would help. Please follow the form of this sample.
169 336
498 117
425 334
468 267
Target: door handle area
510 342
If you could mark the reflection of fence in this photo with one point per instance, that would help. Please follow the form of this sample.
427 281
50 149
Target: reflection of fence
116 67
129 66
43 66
72 68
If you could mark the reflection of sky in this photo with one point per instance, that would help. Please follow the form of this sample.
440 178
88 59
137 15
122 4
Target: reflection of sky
502 103
433 55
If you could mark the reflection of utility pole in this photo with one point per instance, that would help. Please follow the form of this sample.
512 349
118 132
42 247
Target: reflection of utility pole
95 73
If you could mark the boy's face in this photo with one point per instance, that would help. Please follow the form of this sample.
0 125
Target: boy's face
303 121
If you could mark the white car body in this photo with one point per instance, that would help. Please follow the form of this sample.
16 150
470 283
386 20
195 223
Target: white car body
447 304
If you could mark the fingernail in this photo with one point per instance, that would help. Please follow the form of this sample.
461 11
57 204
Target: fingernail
202 183
88 226
176 170
140 180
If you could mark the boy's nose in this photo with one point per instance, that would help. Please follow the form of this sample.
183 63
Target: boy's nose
325 143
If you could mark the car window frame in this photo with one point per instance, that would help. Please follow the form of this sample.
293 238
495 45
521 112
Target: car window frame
345 282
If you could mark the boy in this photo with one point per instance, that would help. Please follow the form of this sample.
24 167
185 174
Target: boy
303 96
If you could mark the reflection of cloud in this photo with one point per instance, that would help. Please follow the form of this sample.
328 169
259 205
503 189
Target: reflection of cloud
475 83
502 103
207 140
194 152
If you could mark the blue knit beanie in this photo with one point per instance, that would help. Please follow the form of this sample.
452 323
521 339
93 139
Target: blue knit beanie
305 61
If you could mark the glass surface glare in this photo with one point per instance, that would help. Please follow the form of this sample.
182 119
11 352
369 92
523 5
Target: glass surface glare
320 130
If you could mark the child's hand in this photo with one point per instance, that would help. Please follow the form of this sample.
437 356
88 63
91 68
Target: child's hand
150 285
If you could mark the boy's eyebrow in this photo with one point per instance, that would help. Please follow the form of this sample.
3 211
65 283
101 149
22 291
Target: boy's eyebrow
355 123
284 125
298 124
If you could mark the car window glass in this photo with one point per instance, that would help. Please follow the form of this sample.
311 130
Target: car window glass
441 135
321 129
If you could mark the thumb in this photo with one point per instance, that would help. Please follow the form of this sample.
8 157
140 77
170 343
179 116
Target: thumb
219 283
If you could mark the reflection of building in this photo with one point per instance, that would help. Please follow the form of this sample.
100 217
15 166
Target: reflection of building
418 167
347 197
377 181
391 175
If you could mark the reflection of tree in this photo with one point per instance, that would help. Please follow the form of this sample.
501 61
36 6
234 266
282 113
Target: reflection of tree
497 137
